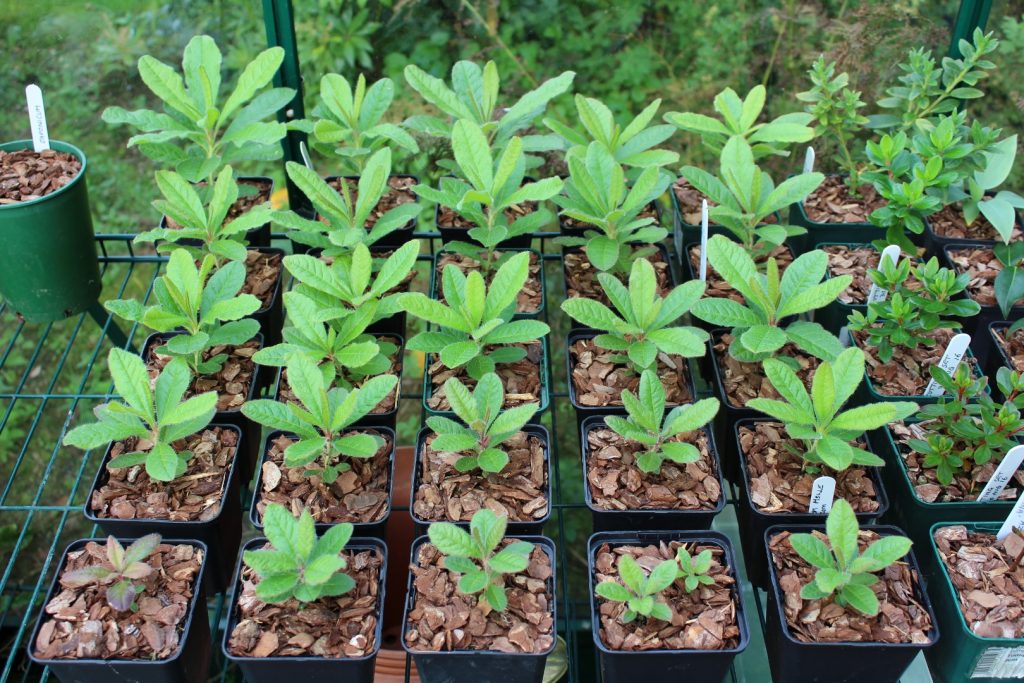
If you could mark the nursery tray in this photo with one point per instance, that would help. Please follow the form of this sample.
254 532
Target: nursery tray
51 377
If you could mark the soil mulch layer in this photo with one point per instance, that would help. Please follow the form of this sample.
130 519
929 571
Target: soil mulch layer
689 199
1013 346
231 383
831 202
522 379
518 491
399 192
581 276
449 218
988 578
528 299
856 261
616 483
949 222
900 619
334 627
983 267
906 373
649 211
262 271
599 381
442 618
702 620
966 485
719 288
26 175
129 493
82 625
358 495
387 404
778 482
744 381
241 205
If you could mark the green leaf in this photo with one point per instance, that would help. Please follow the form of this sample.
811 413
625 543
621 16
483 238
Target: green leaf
472 582
841 526
163 463
812 550
815 297
496 597
631 574
421 306
661 577
814 339
506 284
358 445
453 443
492 460
684 341
591 313
487 528
451 540
785 412
334 539
643 354
872 416
513 419
510 561
788 384
131 380
761 339
823 392
880 554
609 590
688 418
321 569
726 312
292 536
255 75
167 85
602 252
473 154
460 353
861 598
517 332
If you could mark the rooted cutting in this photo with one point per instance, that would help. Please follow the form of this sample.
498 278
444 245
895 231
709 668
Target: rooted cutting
529 296
521 378
232 382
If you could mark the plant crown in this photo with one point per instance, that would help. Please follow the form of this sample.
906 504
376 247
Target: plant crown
694 570
127 565
640 592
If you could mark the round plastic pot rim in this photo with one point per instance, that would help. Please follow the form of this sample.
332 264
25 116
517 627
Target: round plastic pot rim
591 422
232 605
638 537
56 145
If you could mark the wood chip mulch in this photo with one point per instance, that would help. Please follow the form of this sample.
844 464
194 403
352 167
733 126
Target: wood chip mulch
520 491
906 373
358 495
832 203
689 199
81 625
988 579
129 493
599 381
900 619
855 262
778 481
399 192
744 381
949 222
649 211
522 379
334 627
26 175
966 485
231 383
1013 346
703 620
983 267
442 618
262 271
719 288
616 483
581 276
529 298
241 205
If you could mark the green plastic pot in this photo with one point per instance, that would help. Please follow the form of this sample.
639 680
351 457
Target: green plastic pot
963 654
48 265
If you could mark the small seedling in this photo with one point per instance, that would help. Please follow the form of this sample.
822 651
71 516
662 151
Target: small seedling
487 425
694 570
152 413
640 592
298 564
644 424
127 565
472 554
842 569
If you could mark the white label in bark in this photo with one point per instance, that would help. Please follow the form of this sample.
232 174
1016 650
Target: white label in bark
891 252
949 362
703 240
823 490
37 118
809 160
1015 520
1003 474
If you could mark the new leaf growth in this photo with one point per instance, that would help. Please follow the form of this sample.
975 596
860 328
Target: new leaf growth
640 593
126 566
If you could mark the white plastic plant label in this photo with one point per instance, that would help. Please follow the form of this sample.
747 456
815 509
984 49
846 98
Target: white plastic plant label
891 252
1003 474
305 155
809 160
677 241
949 361
845 338
1000 662
1015 520
37 118
823 490
703 240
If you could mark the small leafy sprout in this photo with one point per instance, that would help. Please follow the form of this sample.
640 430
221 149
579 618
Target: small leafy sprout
198 132
476 319
1009 283
640 592
645 425
472 555
757 324
694 570
641 325
487 425
818 420
208 308
843 570
596 193
298 564
342 223
320 418
127 565
152 413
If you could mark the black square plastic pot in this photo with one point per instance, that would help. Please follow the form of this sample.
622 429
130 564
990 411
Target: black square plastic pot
822 233
648 518
277 669
794 661
835 315
360 529
396 238
753 522
256 237
533 527
435 282
271 316
480 666
662 249
998 358
664 666
190 664
937 243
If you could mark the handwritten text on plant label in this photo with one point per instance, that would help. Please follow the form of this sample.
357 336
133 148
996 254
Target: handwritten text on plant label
949 362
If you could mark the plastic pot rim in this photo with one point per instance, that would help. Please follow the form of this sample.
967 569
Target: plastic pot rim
56 145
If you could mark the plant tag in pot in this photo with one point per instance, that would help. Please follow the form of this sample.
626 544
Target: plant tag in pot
37 118
1015 520
703 240
876 293
809 160
949 362
845 338
1003 474
823 490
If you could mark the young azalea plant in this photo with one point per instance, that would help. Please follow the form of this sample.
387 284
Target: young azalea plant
486 426
123 567
646 423
694 570
153 413
477 331
207 309
638 591
817 420
321 418
643 323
